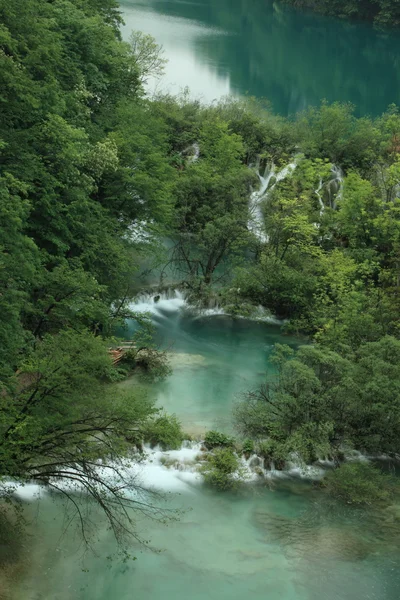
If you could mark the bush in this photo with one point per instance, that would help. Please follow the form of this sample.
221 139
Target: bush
272 452
154 364
164 430
215 439
248 447
360 484
221 465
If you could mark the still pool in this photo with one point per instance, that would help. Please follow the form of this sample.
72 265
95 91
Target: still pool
215 359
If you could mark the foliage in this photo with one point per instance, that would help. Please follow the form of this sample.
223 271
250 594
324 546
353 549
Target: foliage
248 446
212 205
163 430
145 356
147 55
92 169
332 131
318 402
273 452
360 484
68 208
221 465
216 439
62 418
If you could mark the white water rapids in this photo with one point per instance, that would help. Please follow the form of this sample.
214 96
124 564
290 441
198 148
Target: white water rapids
162 305
176 471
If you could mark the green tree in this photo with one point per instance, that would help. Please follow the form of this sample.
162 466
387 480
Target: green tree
212 205
61 421
147 55
221 466
319 403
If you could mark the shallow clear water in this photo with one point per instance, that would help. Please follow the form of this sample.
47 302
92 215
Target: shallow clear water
279 544
266 49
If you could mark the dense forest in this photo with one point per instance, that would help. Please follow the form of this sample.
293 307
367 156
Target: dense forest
384 13
95 176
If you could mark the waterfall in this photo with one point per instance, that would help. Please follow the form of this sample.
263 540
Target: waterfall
192 153
139 232
333 187
256 221
254 468
180 471
163 305
318 194
176 471
159 304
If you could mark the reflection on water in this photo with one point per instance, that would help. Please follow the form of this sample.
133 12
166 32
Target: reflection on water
179 38
265 49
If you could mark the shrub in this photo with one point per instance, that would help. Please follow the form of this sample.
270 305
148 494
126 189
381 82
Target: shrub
248 447
216 439
272 452
164 430
221 465
154 364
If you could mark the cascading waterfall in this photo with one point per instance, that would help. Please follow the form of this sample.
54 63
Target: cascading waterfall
256 222
192 153
162 305
176 471
318 194
335 186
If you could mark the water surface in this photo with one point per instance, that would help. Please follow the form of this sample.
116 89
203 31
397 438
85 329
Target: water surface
263 544
266 49
215 359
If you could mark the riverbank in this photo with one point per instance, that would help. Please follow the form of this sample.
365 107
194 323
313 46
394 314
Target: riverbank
383 14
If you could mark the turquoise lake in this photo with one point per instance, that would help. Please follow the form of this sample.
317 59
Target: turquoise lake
265 49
